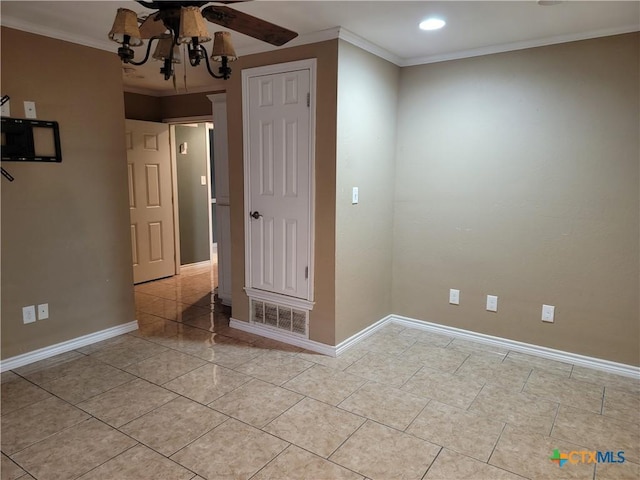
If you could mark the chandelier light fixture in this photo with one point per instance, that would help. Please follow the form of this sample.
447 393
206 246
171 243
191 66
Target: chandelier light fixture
170 28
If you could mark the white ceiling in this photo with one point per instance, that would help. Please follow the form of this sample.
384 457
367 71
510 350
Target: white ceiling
387 28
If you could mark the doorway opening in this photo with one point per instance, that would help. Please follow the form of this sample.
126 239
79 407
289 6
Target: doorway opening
195 192
195 196
172 172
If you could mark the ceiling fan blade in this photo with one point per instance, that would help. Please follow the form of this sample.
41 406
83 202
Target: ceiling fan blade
248 24
167 4
152 26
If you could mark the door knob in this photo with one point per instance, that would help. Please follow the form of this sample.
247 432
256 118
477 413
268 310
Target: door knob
255 215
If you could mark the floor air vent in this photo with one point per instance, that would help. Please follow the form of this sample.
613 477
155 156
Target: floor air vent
279 316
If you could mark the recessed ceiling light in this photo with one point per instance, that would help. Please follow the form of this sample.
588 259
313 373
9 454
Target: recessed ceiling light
432 24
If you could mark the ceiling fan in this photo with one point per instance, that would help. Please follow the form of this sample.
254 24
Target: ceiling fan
227 17
182 22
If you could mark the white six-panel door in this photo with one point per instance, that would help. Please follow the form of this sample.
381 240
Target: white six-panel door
277 122
150 200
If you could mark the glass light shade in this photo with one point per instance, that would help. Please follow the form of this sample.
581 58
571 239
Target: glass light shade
222 47
126 24
163 49
192 25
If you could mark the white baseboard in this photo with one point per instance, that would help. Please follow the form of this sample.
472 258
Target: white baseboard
539 351
73 344
192 266
361 335
284 337
536 350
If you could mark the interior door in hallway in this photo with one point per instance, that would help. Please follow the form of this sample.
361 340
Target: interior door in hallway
279 169
150 200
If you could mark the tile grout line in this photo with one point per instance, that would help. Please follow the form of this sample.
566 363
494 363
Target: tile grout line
181 448
555 417
347 439
526 381
416 417
196 439
462 363
432 462
504 427
108 460
271 461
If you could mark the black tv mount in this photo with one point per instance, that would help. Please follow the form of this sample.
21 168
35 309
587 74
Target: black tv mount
5 174
25 140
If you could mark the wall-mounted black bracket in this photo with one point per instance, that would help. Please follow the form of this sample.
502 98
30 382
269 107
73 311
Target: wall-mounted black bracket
6 175
25 140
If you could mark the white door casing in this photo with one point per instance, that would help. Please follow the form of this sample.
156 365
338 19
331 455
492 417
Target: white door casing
223 209
279 126
150 200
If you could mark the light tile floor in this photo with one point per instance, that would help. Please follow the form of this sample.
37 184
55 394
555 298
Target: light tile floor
187 397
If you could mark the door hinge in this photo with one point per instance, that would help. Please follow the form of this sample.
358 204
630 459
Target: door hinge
306 272
308 99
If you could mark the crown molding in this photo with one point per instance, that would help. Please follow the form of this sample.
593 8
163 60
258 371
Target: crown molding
367 46
29 27
509 47
324 35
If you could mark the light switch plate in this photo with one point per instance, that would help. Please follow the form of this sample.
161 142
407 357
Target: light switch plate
492 303
454 296
29 314
203 180
354 196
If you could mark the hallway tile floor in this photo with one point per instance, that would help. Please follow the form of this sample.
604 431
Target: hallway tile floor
187 397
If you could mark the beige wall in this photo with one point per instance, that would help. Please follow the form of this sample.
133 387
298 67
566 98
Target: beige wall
190 104
65 227
517 176
322 318
156 109
142 107
367 106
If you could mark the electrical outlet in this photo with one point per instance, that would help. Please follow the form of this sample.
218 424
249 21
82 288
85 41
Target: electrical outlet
30 110
454 296
548 312
29 314
492 303
43 311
